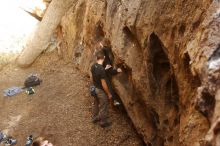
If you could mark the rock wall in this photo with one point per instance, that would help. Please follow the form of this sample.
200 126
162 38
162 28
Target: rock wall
169 54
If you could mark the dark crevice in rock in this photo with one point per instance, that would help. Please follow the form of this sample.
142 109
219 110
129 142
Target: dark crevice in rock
215 55
159 61
130 37
99 33
186 61
170 139
182 29
127 31
155 117
165 93
217 129
177 121
194 80
196 24
205 103
166 122
172 91
173 32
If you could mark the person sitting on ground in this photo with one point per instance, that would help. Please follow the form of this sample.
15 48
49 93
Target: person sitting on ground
100 106
40 141
110 70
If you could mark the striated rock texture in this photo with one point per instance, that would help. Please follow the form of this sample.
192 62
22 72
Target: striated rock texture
169 52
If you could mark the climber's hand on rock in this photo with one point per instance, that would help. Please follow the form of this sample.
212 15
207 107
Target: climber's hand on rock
108 66
119 70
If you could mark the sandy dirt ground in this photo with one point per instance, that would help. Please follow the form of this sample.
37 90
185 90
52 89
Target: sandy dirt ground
60 109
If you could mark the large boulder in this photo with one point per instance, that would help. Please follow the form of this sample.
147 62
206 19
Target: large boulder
41 37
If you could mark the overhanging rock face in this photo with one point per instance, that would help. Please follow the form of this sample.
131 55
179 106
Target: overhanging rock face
169 52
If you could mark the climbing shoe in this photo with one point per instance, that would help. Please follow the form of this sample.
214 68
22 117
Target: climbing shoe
116 103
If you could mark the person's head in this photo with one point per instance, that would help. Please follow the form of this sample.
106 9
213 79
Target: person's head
40 141
100 56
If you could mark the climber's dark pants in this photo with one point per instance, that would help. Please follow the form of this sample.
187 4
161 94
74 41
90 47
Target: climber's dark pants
100 106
